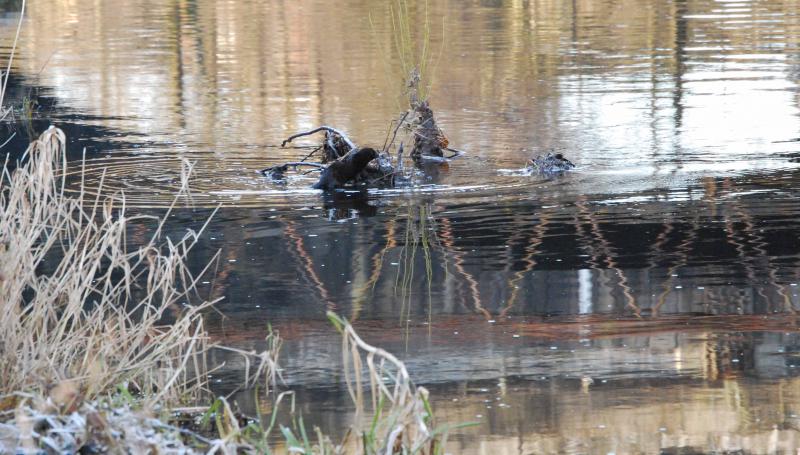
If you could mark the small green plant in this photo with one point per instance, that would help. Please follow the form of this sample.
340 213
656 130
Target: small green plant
29 106
392 415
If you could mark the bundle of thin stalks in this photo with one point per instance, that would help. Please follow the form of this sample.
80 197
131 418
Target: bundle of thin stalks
411 43
402 419
83 314
392 415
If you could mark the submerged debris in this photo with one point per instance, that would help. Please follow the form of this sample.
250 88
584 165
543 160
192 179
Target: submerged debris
549 164
430 141
342 163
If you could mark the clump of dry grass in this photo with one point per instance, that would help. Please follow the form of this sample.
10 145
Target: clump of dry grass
84 321
399 418
81 311
393 416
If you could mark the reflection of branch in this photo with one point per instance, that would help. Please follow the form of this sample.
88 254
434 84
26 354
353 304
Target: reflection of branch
220 283
407 267
607 251
760 245
377 267
300 254
742 243
531 250
684 248
657 249
458 262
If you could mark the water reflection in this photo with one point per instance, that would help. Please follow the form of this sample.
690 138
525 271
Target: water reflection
644 96
705 250
623 307
585 385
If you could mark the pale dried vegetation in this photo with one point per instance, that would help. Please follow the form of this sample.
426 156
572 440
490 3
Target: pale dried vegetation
77 304
87 319
82 313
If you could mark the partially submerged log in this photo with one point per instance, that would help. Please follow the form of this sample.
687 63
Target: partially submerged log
342 163
347 164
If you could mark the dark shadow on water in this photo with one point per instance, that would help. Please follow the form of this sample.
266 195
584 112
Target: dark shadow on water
348 204
34 110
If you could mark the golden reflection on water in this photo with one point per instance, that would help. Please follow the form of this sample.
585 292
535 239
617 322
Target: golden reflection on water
660 90
643 388
728 417
681 115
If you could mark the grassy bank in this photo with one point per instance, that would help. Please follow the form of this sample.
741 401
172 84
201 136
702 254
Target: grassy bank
102 341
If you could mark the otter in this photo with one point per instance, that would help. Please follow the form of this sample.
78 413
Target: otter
344 170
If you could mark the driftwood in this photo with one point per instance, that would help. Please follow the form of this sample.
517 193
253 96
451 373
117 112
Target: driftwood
335 146
343 163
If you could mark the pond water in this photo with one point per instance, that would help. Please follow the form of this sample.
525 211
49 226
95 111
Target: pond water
645 302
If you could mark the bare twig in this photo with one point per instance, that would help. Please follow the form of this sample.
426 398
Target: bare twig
394 135
317 149
329 129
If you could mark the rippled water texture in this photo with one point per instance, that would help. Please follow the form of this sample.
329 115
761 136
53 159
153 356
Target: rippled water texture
644 302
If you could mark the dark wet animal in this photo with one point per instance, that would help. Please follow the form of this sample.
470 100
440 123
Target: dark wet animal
346 169
550 164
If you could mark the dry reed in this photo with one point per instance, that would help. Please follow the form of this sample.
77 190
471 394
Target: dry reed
392 415
81 311
402 419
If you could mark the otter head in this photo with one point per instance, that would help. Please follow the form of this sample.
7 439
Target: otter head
365 155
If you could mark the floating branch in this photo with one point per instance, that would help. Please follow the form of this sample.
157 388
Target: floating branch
343 163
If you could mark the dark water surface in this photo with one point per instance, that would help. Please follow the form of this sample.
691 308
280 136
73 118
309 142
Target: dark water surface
645 302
